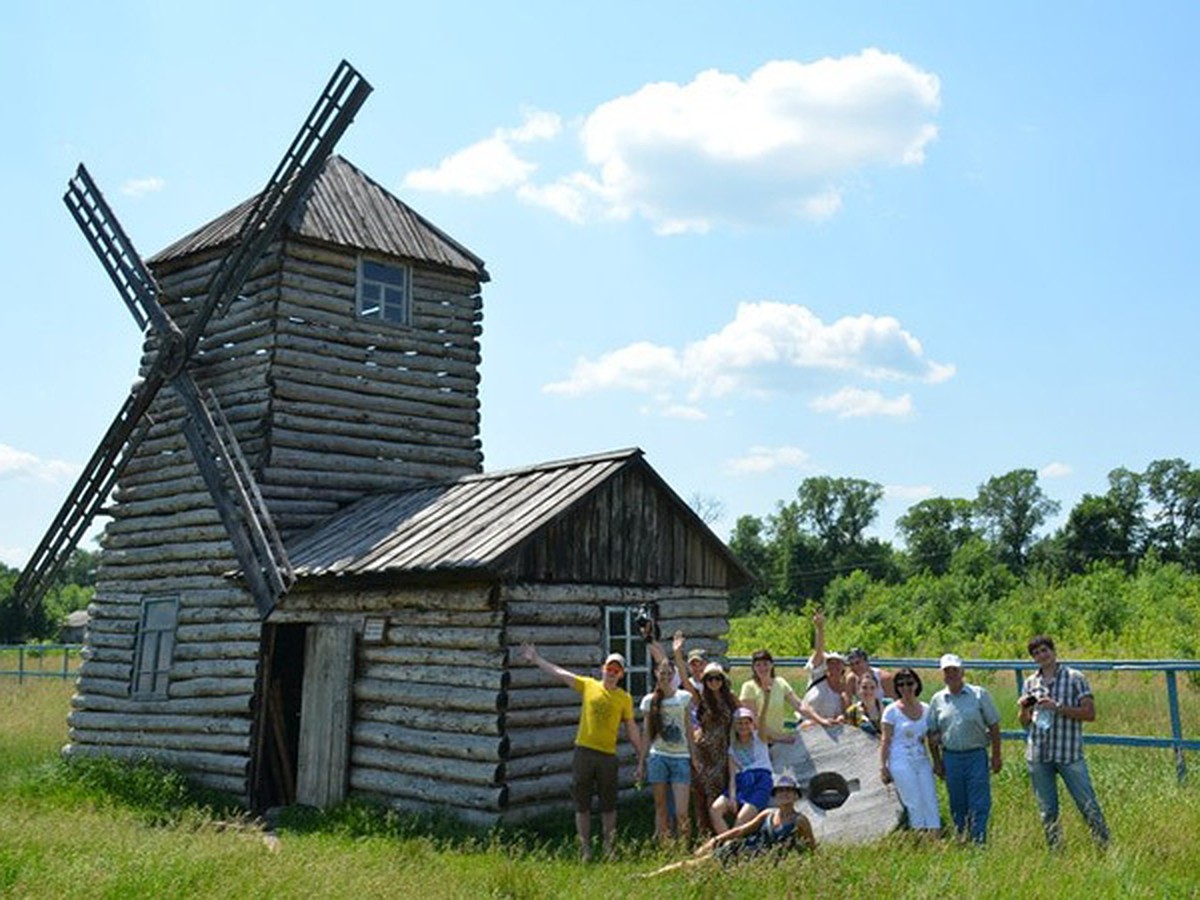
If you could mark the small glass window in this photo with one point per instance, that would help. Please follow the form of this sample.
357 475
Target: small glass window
155 646
384 292
621 637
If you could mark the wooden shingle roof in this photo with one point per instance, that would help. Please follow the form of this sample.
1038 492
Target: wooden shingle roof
347 208
607 518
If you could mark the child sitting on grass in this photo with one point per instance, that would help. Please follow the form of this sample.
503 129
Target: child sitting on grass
777 828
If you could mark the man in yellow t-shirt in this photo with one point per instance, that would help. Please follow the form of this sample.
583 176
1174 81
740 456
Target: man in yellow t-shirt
605 705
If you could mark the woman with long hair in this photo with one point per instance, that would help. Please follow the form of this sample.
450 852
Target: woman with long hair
715 708
769 695
669 737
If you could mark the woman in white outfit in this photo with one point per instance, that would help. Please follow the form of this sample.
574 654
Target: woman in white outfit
903 754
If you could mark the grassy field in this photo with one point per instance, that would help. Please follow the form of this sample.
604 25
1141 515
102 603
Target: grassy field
63 834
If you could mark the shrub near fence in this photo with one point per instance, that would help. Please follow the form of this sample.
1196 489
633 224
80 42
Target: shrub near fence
23 661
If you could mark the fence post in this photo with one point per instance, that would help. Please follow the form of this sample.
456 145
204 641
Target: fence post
21 664
1176 726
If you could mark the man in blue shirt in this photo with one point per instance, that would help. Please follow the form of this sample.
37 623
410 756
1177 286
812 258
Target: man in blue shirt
966 723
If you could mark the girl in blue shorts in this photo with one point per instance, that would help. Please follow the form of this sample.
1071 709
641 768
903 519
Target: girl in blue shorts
668 729
750 774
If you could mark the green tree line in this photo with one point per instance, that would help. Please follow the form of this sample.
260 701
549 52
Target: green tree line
72 589
979 571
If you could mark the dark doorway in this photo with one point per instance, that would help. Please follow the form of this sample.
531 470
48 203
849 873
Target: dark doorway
278 724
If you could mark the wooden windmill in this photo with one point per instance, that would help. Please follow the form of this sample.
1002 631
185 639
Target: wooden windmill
213 445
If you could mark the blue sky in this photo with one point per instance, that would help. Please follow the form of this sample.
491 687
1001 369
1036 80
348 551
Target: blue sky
921 244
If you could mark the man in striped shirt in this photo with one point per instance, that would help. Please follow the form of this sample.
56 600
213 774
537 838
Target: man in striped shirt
1055 702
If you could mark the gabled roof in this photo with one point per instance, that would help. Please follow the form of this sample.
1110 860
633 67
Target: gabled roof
347 208
607 518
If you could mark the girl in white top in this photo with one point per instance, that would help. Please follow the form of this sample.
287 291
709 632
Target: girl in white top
750 774
669 732
904 758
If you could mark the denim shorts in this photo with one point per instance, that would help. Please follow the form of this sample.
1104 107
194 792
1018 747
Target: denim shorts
668 769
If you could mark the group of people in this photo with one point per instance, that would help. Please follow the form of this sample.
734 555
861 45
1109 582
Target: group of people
704 745
699 740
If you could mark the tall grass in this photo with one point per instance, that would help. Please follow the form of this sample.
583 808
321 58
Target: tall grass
68 830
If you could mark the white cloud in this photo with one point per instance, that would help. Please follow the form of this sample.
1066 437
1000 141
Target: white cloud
16 463
907 491
760 351
851 402
488 165
139 187
722 149
1055 470
760 460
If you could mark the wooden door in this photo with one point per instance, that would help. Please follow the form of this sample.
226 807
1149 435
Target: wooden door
326 712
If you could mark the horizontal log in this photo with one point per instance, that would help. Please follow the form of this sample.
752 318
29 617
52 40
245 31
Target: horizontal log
103 687
542 697
542 717
481 748
542 787
234 785
159 740
461 393
440 720
438 451
427 790
462 771
694 608
525 613
432 656
603 594
405 349
430 696
92 668
217 650
535 765
293 466
215 668
220 763
219 632
195 706
165 538
467 597
696 628
453 618
445 636
210 687
535 741
368 425
334 396
579 658
493 679
179 724
555 634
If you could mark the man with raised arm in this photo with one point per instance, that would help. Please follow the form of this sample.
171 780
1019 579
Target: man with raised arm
604 706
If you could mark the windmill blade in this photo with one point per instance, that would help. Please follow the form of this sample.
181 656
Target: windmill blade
247 521
133 280
92 488
332 114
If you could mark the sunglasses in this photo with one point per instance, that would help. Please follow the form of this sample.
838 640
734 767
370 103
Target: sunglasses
904 684
714 678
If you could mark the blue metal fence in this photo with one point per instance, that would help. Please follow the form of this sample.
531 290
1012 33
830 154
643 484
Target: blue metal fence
32 659
1170 667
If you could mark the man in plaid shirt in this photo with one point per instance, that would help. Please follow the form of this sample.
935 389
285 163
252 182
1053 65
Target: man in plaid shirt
1055 702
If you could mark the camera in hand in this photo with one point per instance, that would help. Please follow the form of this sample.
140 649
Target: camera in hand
645 620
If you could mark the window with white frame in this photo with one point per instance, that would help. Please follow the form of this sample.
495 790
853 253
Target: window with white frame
384 292
155 646
621 636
